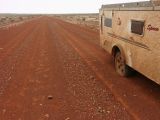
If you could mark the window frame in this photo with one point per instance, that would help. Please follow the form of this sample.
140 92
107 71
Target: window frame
143 27
107 18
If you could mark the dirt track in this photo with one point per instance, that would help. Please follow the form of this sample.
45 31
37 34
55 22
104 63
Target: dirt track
49 57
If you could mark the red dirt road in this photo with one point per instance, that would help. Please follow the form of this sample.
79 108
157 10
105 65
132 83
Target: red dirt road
53 70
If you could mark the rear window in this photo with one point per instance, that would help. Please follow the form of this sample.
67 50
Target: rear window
108 22
137 27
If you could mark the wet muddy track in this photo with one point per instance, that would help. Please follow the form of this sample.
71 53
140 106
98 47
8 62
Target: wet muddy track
53 70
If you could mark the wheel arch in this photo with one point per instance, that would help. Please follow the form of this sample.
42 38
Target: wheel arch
118 48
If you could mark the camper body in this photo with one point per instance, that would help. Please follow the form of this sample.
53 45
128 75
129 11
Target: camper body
131 33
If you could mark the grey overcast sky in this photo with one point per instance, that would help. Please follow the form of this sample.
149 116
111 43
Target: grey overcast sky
55 6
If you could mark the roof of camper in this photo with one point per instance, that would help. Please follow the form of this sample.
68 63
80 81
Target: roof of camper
146 5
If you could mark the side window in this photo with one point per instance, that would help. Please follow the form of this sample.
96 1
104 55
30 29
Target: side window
137 27
108 22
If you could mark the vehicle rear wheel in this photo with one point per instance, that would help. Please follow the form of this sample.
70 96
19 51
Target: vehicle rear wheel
121 68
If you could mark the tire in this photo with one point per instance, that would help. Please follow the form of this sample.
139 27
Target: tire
121 68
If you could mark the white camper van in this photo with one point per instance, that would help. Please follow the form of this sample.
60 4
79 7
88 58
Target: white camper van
130 32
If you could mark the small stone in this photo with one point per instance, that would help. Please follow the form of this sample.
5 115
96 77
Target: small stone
1 48
4 110
50 97
100 110
104 111
67 118
9 78
92 77
108 111
47 115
